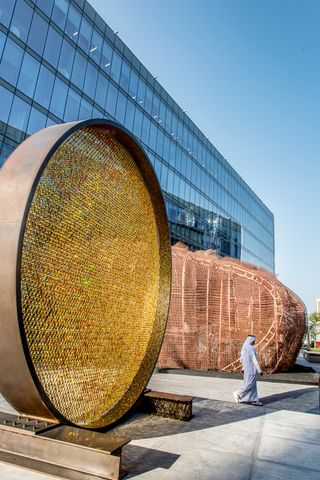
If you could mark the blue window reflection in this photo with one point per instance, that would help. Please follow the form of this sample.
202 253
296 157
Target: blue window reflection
21 20
59 13
111 100
2 42
37 121
19 114
121 108
106 56
73 24
133 85
79 70
44 87
85 110
6 98
66 59
101 90
72 107
84 37
141 91
28 75
125 76
145 129
45 6
90 81
129 119
6 9
52 48
59 98
37 33
116 66
138 119
5 151
11 61
96 47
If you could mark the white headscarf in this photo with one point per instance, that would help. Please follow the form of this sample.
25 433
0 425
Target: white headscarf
247 347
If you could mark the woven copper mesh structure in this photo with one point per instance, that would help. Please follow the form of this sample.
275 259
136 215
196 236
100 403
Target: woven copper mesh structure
90 254
216 302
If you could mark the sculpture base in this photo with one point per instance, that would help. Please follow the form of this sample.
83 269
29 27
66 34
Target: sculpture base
55 449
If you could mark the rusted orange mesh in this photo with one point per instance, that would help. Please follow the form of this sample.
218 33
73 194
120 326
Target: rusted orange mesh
216 302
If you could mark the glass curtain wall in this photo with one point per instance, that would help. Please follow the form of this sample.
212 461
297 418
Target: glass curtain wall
59 62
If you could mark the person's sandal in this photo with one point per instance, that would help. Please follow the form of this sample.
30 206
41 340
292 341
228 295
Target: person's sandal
257 404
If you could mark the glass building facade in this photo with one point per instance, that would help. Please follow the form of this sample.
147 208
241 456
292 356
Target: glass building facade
61 62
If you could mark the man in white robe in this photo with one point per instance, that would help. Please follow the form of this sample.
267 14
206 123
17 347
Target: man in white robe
248 391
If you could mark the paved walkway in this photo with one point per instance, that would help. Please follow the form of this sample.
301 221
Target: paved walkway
224 440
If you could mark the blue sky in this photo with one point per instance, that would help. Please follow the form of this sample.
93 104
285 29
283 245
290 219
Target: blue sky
248 74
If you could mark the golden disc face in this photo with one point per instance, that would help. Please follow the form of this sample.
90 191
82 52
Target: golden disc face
94 279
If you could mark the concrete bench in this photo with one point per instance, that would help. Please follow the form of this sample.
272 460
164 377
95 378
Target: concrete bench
168 405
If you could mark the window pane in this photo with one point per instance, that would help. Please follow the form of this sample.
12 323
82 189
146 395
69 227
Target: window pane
101 90
72 107
106 57
79 70
21 20
116 67
121 108
44 87
19 114
145 129
90 81
141 91
84 37
133 86
28 75
111 100
37 121
137 123
73 23
5 102
6 9
59 97
129 116
50 122
37 34
148 101
125 76
52 49
59 14
11 61
45 6
66 59
2 42
5 151
85 110
96 47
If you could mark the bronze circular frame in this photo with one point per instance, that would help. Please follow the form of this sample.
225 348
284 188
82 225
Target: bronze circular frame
19 178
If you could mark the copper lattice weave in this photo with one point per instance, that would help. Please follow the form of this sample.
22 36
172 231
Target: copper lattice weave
216 303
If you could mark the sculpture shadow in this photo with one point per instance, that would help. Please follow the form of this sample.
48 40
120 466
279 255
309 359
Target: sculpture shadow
305 400
138 460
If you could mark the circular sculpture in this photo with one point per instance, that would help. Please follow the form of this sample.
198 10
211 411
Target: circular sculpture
85 281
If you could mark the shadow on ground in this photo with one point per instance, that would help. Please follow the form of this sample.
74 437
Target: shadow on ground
306 400
138 460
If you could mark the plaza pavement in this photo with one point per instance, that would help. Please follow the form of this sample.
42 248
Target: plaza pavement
224 440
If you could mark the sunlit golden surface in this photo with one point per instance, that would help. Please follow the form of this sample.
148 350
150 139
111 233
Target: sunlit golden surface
94 287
